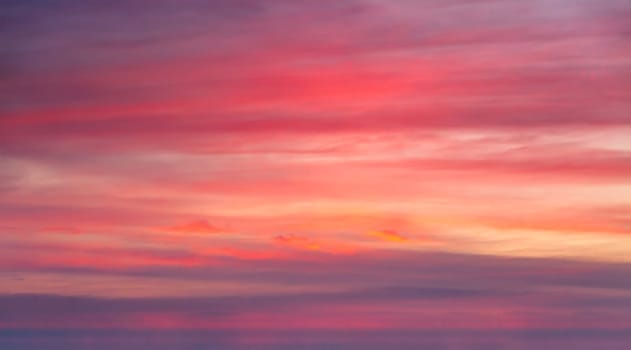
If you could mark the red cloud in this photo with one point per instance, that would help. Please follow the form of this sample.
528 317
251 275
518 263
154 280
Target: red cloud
200 226
297 241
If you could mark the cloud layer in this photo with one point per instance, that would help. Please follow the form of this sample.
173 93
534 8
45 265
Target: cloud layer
357 174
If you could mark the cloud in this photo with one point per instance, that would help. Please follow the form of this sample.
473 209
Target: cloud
322 245
608 165
480 122
297 241
388 235
352 67
575 339
353 271
411 299
199 226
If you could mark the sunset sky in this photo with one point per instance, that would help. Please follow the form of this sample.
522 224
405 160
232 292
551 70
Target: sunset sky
325 174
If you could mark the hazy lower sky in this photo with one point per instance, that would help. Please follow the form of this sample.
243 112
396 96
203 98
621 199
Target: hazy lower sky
326 174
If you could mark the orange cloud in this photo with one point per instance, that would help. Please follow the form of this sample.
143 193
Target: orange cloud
320 245
388 235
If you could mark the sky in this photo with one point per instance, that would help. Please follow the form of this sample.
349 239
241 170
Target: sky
331 174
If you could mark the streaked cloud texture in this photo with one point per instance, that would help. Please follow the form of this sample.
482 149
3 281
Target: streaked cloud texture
348 174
